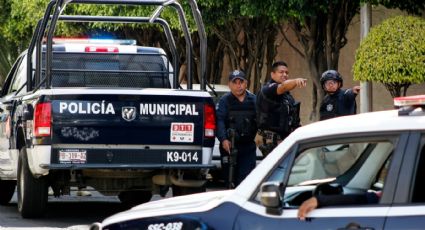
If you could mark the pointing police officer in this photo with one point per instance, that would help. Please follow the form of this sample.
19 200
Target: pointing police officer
337 101
277 110
236 129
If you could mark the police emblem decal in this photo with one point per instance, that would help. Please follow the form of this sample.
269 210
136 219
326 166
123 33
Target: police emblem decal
128 113
329 107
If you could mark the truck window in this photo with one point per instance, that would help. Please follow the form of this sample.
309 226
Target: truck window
20 77
110 70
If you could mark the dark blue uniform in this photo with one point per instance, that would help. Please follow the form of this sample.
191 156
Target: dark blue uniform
277 113
240 116
342 102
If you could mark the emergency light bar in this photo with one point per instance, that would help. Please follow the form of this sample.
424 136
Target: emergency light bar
407 104
103 49
95 41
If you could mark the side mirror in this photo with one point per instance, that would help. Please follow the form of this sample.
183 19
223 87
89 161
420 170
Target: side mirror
271 197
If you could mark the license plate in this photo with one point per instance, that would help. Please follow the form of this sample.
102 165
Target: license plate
188 157
72 156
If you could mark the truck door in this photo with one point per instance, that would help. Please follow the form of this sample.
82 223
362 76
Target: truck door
13 85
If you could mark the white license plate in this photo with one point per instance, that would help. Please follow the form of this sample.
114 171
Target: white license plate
72 156
188 157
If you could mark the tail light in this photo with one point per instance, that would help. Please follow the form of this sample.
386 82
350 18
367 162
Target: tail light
209 120
42 119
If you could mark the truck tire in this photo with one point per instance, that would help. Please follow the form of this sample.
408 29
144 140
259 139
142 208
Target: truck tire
181 191
7 188
32 192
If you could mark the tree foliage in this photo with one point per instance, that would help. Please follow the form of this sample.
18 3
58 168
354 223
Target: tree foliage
245 31
20 17
393 53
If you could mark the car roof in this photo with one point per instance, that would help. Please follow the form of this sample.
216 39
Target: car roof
365 122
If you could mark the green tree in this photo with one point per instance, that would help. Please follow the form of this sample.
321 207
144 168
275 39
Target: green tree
20 18
393 53
245 31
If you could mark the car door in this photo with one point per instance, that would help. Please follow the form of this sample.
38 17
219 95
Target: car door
354 163
14 84
408 210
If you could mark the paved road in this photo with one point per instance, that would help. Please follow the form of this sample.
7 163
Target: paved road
67 212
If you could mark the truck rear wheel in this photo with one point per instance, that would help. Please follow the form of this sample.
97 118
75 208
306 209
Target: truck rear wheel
32 192
7 188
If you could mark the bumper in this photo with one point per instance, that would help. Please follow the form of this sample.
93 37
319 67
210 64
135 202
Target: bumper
42 158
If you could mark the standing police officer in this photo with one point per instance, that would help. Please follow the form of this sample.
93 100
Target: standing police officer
337 101
277 110
236 129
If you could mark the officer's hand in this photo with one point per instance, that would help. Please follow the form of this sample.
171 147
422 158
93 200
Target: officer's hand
226 144
306 207
356 89
301 82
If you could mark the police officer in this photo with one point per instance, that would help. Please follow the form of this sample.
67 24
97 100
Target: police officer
236 128
337 101
277 110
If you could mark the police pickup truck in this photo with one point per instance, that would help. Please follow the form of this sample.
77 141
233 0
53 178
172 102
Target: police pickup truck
104 114
380 153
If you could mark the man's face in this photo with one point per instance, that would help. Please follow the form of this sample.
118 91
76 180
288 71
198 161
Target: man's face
238 86
331 86
281 74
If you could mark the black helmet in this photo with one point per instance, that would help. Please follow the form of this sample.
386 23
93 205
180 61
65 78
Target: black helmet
331 75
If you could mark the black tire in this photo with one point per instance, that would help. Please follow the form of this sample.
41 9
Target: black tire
32 192
7 189
181 191
132 198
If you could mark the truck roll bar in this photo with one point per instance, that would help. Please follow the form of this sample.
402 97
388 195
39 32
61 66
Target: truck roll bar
47 25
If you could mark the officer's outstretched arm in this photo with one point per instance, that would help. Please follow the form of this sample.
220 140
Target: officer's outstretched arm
290 84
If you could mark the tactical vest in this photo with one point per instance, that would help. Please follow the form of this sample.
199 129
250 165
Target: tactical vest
329 107
336 105
277 116
242 118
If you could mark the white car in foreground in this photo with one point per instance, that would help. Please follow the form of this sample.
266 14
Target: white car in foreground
382 152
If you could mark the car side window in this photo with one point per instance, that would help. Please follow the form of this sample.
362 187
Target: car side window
345 168
19 78
10 77
348 166
418 195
